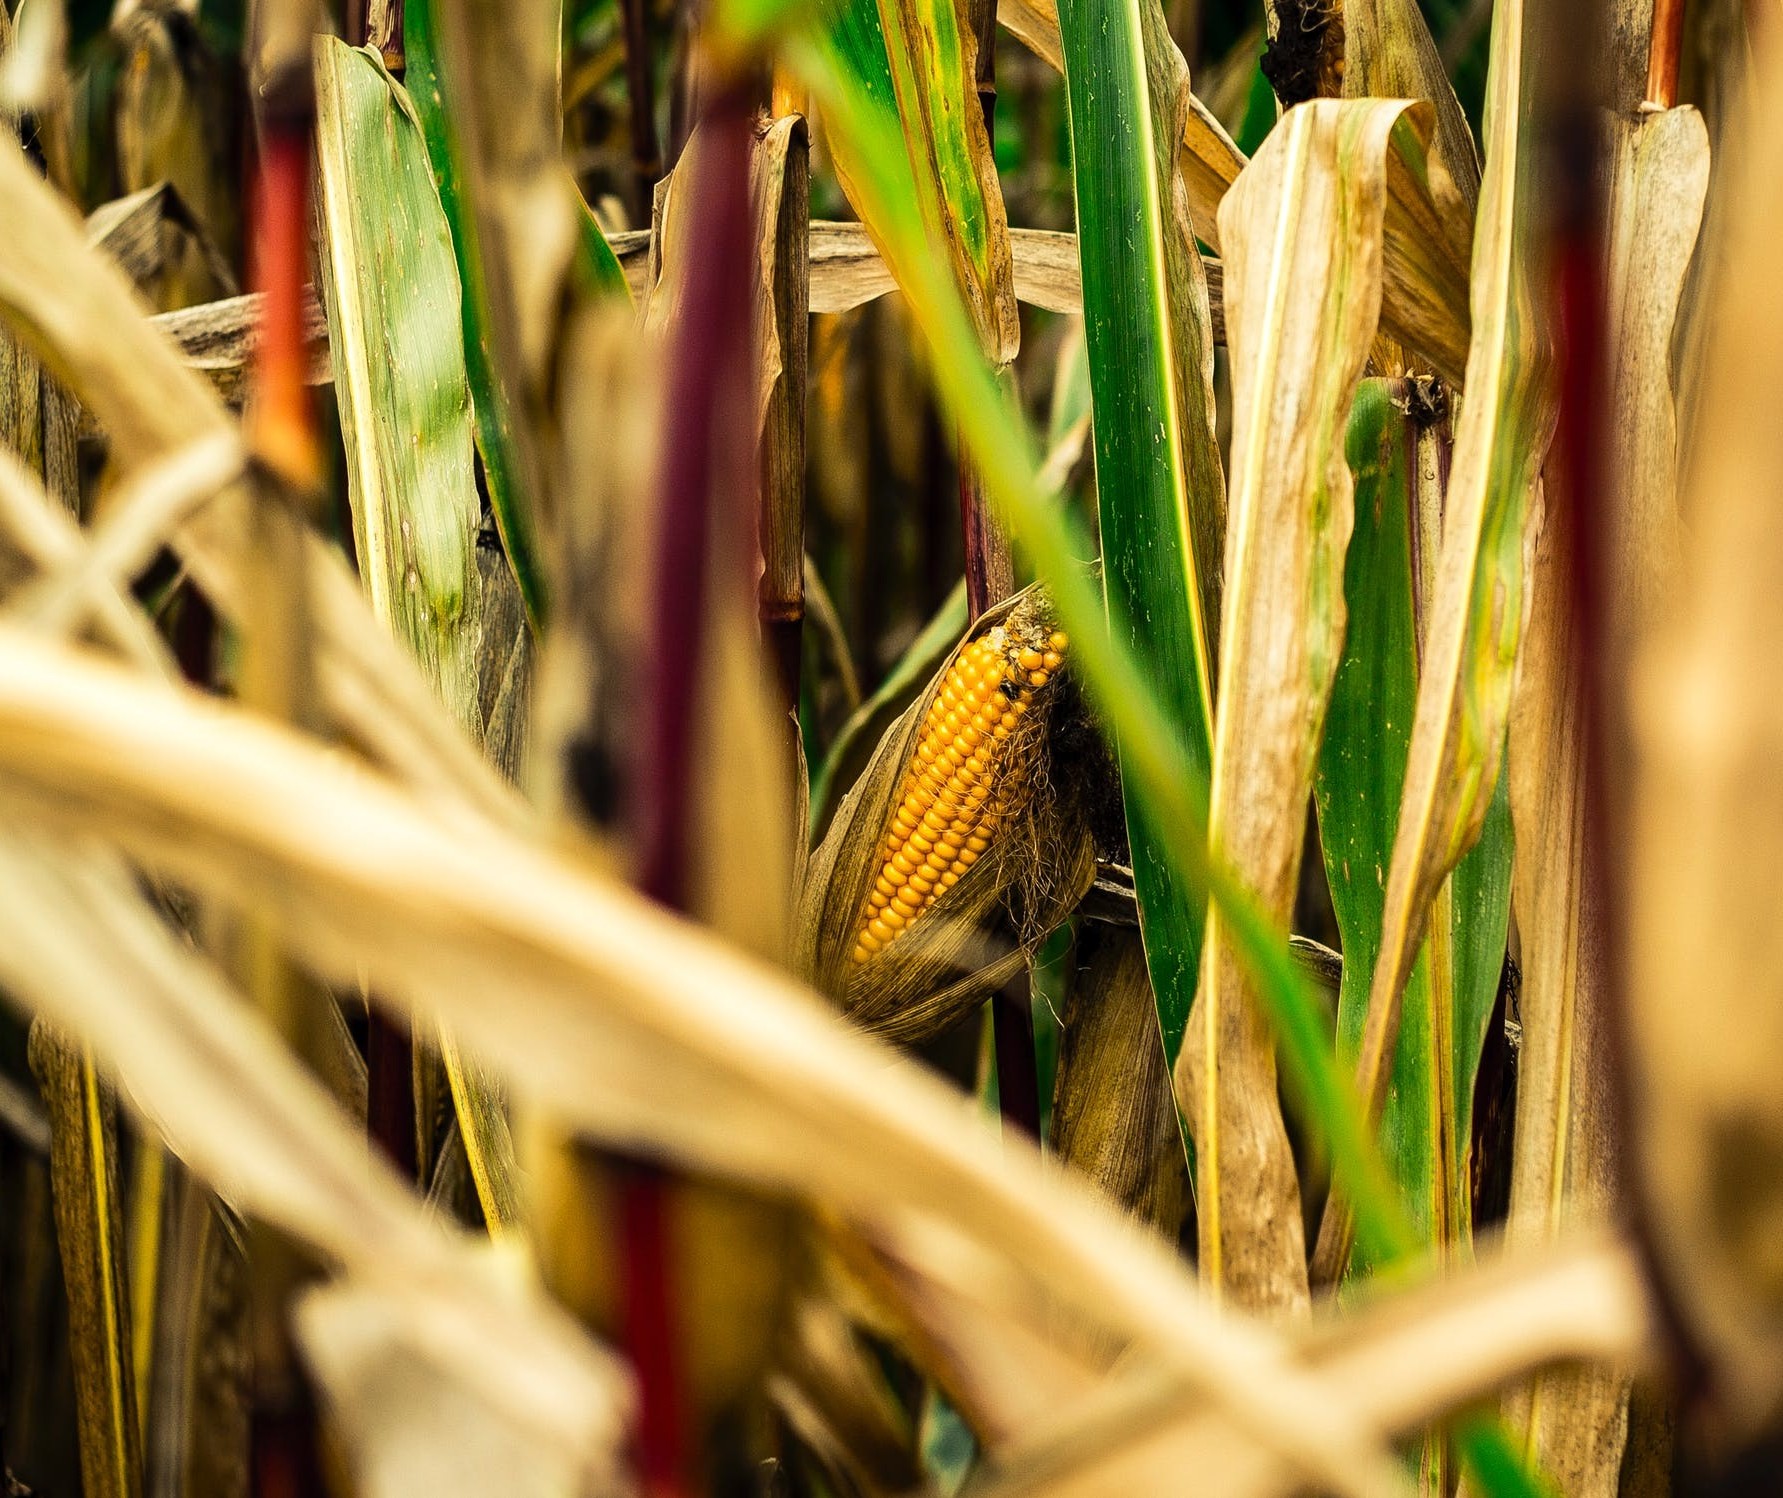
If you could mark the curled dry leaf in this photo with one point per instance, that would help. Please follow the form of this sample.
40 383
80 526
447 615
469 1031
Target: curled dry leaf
1388 53
616 1013
1304 219
206 1072
961 844
1113 1112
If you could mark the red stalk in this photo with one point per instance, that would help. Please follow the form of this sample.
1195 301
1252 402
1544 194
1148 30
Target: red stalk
282 422
1665 50
709 439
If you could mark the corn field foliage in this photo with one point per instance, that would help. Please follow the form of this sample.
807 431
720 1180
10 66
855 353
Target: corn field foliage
867 748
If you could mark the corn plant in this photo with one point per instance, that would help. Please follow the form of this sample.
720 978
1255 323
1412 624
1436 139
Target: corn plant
867 747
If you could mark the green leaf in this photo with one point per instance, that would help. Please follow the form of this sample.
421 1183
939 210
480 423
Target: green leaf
1480 909
391 287
595 271
1209 161
915 55
1160 489
1426 1118
391 282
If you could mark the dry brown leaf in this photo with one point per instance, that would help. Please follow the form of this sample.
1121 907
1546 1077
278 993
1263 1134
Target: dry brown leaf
1113 1112
204 1070
1305 218
1409 1357
1706 968
615 1012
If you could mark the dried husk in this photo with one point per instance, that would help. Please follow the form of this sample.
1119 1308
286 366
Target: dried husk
1113 1111
979 933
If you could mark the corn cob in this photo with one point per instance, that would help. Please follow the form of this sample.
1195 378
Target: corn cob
968 777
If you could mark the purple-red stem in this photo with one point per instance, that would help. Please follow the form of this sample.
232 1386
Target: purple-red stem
708 433
708 440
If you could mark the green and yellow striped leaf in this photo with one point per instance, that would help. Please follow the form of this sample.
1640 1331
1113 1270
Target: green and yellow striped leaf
392 289
1161 491
916 55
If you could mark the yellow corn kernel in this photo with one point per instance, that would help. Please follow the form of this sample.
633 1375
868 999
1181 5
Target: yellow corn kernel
961 780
